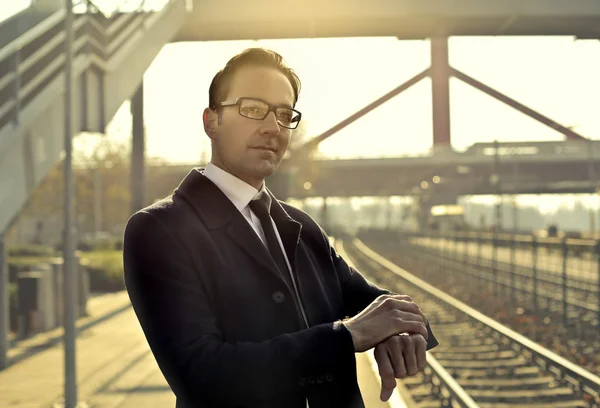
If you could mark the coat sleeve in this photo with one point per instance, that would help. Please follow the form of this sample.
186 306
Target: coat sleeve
175 314
358 292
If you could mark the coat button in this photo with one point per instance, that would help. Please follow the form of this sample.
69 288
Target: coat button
278 296
329 378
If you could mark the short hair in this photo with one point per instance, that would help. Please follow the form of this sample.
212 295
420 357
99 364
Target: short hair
250 57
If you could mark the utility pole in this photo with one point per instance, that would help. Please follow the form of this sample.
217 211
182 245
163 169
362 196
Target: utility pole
70 277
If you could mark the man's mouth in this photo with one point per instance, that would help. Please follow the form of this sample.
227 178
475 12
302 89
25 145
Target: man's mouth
268 148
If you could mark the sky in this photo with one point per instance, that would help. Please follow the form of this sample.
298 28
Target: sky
11 7
557 76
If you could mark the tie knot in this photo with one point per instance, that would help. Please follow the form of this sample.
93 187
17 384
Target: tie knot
261 206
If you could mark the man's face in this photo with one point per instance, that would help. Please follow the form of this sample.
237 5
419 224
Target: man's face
252 149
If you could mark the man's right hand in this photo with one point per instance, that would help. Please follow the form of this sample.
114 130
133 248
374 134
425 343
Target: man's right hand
384 317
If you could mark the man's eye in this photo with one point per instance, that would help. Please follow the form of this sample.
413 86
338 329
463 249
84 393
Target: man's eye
253 111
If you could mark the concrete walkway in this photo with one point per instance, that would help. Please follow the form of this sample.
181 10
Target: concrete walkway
115 367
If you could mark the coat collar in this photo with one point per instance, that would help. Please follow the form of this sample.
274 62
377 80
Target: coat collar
213 206
217 211
209 202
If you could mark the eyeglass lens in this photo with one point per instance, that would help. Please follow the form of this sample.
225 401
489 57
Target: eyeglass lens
256 109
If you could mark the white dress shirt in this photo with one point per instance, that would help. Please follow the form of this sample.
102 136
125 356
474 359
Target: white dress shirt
240 194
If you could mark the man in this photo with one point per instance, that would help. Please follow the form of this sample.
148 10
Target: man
240 296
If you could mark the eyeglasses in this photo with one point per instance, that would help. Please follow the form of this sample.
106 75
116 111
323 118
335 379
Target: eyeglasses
258 109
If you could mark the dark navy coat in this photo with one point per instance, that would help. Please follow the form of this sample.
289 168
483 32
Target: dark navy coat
221 322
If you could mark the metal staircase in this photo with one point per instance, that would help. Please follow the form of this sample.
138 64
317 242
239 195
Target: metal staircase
112 50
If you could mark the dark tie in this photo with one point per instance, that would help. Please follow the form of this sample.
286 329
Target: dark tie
261 208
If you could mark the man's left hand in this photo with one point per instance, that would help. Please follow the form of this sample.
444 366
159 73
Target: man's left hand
397 357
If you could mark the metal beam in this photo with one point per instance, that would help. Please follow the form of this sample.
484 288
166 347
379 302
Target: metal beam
354 117
440 92
137 150
516 105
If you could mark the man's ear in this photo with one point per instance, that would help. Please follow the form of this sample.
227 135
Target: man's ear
209 117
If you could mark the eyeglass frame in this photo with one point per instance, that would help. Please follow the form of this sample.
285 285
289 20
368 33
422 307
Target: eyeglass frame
271 108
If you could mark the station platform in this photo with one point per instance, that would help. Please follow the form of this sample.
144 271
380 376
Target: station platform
115 365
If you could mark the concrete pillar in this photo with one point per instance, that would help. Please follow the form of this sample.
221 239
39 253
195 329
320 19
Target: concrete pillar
514 199
46 301
4 315
423 215
440 93
498 219
98 208
84 288
389 213
515 214
138 148
58 285
592 179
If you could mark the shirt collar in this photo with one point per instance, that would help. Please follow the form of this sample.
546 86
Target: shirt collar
237 191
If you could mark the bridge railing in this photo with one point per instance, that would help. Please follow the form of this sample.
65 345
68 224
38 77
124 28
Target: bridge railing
29 63
565 147
559 276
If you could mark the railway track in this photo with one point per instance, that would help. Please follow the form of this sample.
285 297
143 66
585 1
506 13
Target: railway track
575 321
582 268
582 294
539 288
479 363
576 338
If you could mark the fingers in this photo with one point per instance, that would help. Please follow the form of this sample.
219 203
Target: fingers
388 315
420 351
408 300
386 372
395 350
410 358
404 303
411 317
401 297
397 357
399 325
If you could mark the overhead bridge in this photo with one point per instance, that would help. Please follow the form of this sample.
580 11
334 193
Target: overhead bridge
406 19
113 50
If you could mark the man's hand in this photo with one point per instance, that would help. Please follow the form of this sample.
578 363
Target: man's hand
397 357
386 316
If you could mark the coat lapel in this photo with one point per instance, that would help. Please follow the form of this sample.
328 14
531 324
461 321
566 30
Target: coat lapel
244 236
215 209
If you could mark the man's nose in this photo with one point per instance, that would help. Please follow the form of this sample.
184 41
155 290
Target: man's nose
270 124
